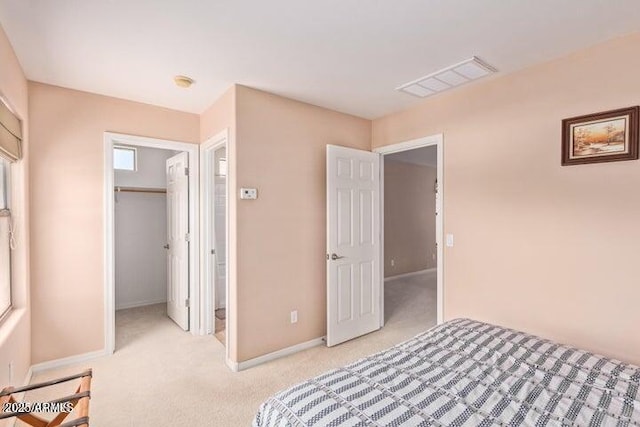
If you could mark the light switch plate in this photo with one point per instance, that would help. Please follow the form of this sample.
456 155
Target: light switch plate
248 193
450 240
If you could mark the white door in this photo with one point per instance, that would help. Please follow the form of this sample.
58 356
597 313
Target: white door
353 243
178 240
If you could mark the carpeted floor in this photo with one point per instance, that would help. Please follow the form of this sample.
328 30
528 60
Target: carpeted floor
162 376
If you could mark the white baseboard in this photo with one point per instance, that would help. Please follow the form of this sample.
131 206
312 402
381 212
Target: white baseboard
66 361
139 304
241 366
413 273
231 365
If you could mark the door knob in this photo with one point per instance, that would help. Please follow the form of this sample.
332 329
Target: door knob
335 257
166 246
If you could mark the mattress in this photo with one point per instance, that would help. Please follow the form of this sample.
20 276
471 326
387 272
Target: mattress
465 373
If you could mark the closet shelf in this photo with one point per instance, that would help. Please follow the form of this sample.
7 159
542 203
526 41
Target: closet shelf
119 189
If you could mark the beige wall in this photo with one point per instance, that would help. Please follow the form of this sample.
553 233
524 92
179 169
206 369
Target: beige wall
547 249
67 215
409 217
219 116
281 237
15 331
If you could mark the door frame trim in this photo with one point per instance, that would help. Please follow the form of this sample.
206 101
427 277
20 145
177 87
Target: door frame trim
208 287
111 139
427 141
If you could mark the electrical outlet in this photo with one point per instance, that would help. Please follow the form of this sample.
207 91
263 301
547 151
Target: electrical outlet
393 263
450 240
294 316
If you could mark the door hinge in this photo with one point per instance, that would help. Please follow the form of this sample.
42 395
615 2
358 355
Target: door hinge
213 251
186 303
187 237
186 171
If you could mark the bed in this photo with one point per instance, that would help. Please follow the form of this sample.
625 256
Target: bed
465 373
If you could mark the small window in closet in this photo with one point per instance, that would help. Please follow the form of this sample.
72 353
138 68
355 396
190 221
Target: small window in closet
124 158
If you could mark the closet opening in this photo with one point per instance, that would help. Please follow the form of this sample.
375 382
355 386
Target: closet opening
151 274
151 241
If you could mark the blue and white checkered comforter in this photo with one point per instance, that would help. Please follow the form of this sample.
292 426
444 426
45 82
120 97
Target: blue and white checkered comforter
465 373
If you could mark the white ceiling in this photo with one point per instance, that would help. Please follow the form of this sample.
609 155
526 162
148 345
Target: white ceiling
346 55
424 156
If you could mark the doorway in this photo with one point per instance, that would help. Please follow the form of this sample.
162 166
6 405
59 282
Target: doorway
355 238
410 249
151 233
214 184
412 230
147 219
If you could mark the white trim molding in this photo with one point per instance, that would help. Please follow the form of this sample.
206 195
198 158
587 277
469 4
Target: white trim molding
411 144
66 361
427 141
111 139
411 273
241 366
140 304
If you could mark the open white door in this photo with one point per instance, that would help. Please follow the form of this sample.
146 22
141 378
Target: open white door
353 243
178 239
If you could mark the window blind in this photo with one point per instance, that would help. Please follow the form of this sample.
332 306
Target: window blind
10 134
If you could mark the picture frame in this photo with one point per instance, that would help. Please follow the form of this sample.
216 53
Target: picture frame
609 136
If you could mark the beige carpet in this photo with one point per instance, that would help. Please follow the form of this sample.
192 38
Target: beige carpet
162 376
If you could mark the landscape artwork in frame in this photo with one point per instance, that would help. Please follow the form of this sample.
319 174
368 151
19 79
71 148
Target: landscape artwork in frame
602 137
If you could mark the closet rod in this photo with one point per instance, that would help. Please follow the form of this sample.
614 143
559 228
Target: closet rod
140 190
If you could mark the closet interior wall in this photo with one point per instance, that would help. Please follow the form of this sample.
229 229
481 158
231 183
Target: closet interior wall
141 230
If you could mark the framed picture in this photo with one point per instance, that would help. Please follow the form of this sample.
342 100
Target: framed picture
609 136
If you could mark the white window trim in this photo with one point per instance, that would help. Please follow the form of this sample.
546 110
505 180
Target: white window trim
4 213
135 157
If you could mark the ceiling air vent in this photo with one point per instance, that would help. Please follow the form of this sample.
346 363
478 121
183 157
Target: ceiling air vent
447 78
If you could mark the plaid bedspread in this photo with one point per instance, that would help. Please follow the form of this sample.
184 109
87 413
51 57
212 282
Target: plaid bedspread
465 373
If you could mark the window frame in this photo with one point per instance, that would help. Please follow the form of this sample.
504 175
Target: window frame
135 157
5 212
5 185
